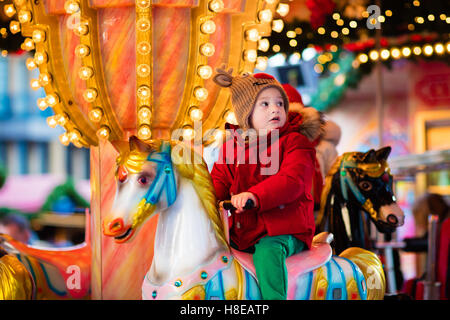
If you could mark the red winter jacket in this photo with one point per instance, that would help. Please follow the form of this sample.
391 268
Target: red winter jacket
285 201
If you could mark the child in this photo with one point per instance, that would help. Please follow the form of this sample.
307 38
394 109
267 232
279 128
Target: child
282 224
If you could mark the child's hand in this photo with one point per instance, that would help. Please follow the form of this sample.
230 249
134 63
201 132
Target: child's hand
239 200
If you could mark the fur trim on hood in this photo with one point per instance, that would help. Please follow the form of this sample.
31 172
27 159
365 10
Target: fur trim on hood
309 121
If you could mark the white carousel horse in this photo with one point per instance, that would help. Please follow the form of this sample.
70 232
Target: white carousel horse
192 258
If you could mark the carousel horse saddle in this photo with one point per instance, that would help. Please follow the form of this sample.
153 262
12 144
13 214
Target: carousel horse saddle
300 263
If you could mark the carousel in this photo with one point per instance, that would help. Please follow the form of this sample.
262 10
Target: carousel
132 82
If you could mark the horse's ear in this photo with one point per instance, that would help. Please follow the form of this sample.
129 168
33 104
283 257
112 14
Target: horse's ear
383 153
370 156
141 146
122 147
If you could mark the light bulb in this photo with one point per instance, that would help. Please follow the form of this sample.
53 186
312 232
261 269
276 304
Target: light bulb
45 79
38 36
261 63
406 52
85 73
363 58
71 6
277 25
144 132
28 44
103 132
188 133
196 114
31 64
265 15
143 24
14 26
283 9
96 114
81 29
395 53
61 119
216 5
417 50
205 71
143 4
428 50
385 54
51 122
9 10
42 103
143 92
34 84
373 55
263 45
144 114
252 35
439 48
143 70
207 49
74 135
143 48
90 95
82 50
250 55
64 139
24 16
52 99
208 27
201 93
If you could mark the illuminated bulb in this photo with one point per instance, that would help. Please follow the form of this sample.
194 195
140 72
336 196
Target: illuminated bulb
443 16
363 58
298 30
271 1
42 103
143 47
291 34
336 16
24 16
196 114
85 73
71 6
143 24
321 30
276 48
431 17
28 44
207 49
417 51
51 122
45 79
277 25
82 50
143 92
52 100
90 95
144 114
283 9
9 10
428 50
339 80
103 132
231 118
334 67
261 63
144 4
144 132
74 135
96 114
201 93
205 72
34 83
340 22
252 35
388 13
345 31
334 34
38 36
216 5
406 52
251 55
293 42
381 19
61 119
263 45
373 55
353 24
188 133
439 48
395 53
81 29
265 15
31 64
420 20
448 46
14 26
64 139
208 27
143 70
384 54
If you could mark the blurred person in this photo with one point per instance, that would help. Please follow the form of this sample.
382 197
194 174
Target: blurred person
17 227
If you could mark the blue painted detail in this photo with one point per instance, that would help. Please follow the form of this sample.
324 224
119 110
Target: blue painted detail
49 283
214 288
336 282
359 278
253 292
303 286
347 182
165 177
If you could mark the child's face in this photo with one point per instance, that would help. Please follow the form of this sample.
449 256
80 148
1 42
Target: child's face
269 112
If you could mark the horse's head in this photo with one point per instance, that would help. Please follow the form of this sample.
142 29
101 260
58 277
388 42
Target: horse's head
366 179
147 183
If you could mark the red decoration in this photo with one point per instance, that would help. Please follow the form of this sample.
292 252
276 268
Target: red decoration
320 9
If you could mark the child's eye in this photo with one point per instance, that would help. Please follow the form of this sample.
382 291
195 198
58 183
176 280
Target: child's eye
280 104
264 104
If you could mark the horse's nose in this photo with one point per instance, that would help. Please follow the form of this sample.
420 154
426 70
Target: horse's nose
113 227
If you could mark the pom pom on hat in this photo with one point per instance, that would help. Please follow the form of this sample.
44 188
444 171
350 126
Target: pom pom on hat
292 93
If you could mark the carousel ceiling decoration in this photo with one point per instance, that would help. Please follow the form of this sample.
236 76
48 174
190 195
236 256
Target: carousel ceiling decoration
109 74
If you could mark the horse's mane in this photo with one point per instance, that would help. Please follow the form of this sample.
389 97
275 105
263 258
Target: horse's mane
191 165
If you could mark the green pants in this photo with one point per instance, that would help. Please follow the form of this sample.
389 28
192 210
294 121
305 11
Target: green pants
270 264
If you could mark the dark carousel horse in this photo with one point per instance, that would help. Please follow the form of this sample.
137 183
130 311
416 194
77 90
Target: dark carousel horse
358 189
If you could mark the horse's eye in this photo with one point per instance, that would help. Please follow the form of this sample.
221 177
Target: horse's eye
143 180
365 185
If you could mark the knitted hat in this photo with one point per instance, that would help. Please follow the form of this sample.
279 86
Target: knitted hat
245 90
295 99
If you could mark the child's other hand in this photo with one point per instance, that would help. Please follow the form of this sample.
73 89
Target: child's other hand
239 200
